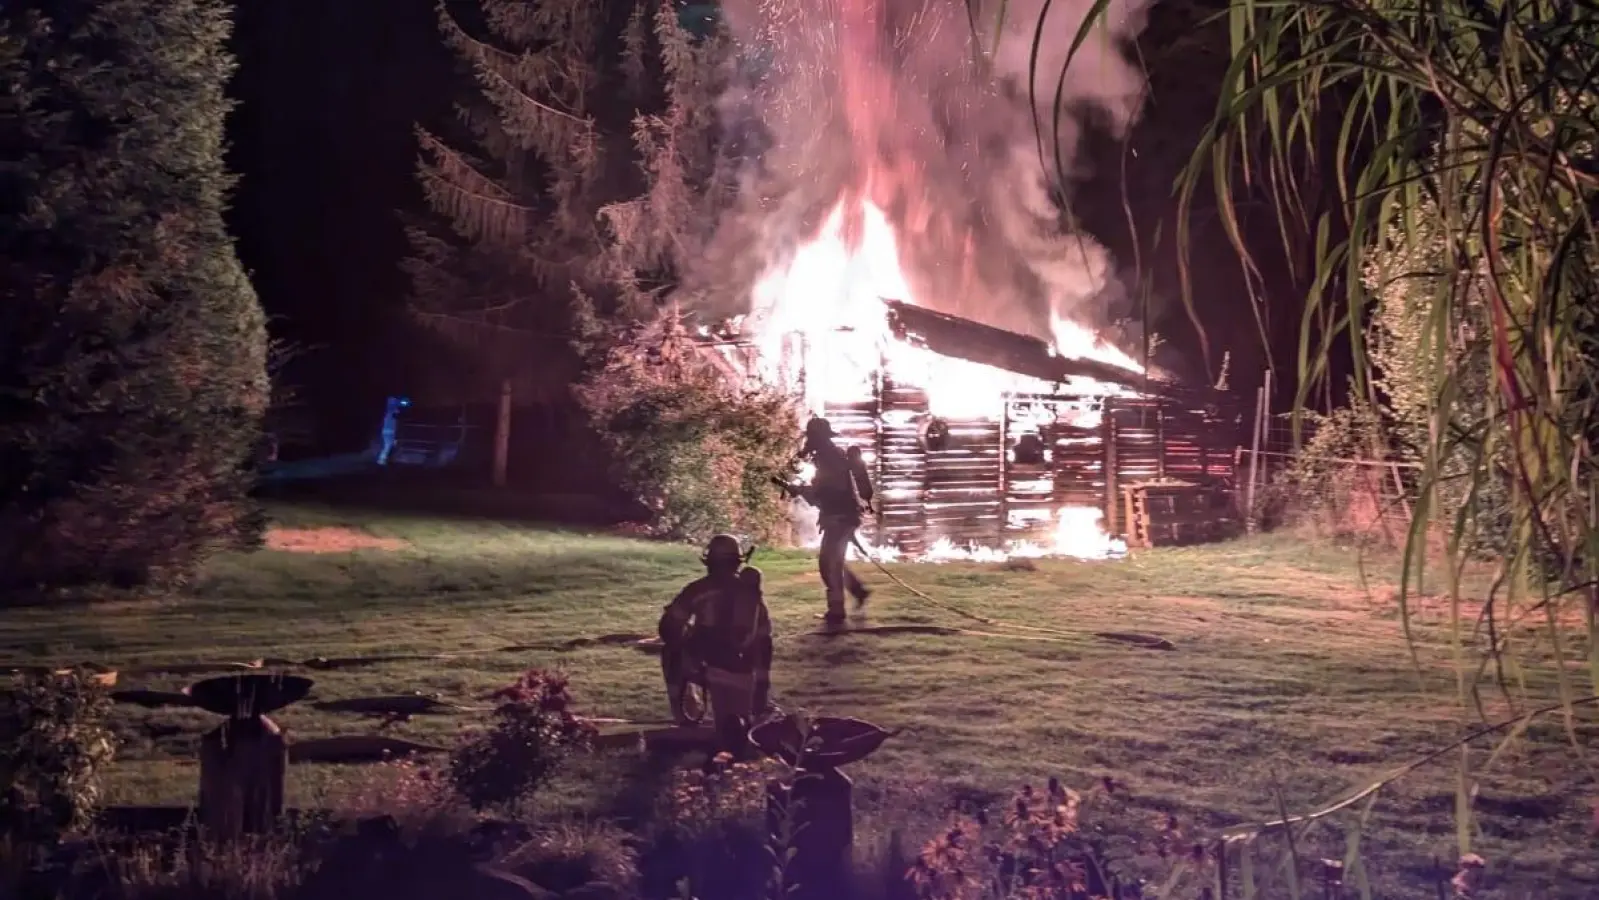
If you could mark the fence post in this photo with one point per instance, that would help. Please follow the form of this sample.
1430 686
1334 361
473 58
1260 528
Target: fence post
1109 439
1399 492
502 434
1254 460
1160 441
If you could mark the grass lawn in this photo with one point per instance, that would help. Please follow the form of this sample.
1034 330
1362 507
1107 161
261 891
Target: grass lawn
1291 681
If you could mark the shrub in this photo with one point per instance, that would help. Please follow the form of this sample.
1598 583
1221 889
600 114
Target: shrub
534 730
269 867
53 745
567 857
1409 276
1323 490
698 451
714 842
417 797
133 358
1040 848
724 794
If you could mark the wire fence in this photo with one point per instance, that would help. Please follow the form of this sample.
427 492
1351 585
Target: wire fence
1343 497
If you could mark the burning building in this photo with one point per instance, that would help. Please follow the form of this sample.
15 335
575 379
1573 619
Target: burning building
986 443
904 267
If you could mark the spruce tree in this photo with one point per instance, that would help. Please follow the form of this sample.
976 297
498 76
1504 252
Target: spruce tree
590 186
583 168
133 349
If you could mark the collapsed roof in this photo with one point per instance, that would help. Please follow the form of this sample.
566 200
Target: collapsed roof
975 342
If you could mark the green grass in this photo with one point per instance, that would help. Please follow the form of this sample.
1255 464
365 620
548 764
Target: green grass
1291 681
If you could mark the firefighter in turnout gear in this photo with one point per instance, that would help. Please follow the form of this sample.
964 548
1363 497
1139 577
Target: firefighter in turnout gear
717 631
841 490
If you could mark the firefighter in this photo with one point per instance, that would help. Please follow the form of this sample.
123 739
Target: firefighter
841 490
717 629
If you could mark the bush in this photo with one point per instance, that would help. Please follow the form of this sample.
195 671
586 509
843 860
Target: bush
1324 491
534 730
1039 847
53 745
699 452
133 358
1406 277
269 867
565 858
712 839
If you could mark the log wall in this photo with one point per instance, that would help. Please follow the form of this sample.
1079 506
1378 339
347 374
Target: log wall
962 480
969 487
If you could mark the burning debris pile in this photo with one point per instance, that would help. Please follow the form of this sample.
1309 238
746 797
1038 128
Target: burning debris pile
986 444
898 260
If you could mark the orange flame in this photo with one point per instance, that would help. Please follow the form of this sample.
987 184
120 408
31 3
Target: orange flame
826 303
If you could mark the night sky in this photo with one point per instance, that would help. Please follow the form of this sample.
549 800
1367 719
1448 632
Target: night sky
329 93
322 139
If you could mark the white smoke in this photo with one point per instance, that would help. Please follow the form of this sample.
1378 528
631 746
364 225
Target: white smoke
941 120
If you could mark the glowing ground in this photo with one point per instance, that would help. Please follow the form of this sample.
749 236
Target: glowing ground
1290 683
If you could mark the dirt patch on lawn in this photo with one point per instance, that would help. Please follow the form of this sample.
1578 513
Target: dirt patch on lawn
328 540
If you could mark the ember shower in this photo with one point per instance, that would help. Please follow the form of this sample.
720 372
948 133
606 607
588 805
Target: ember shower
895 108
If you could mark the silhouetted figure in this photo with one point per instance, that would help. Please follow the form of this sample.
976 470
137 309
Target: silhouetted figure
391 427
841 491
718 629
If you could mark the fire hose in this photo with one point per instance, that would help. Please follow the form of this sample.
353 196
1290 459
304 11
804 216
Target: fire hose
1149 641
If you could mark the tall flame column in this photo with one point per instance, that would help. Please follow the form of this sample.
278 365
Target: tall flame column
868 96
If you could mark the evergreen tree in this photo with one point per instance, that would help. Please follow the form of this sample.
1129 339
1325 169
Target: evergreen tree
596 179
133 349
586 170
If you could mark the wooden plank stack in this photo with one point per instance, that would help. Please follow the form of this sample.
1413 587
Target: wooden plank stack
969 485
1079 462
1171 514
1028 482
1139 450
962 479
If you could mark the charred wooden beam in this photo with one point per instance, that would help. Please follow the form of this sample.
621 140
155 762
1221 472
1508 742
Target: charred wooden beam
960 338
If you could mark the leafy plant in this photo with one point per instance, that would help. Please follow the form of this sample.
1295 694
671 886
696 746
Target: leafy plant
565 858
697 450
1040 848
1335 485
1473 126
722 794
716 840
54 743
534 730
1403 275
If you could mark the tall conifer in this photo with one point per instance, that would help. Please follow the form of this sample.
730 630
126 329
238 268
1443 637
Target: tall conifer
132 346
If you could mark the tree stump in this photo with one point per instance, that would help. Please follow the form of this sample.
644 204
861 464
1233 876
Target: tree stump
244 762
812 818
244 765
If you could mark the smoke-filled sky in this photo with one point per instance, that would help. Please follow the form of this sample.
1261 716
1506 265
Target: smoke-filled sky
887 101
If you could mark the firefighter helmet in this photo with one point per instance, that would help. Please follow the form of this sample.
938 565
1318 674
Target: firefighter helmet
722 548
818 428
